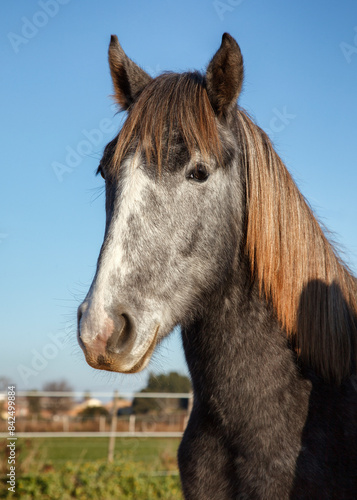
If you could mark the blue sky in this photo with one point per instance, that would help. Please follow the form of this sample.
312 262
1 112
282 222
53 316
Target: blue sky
300 85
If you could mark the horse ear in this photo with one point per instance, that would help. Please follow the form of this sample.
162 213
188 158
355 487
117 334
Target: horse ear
128 78
224 76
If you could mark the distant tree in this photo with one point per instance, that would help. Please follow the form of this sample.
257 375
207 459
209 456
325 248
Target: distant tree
5 382
34 404
91 412
57 405
171 382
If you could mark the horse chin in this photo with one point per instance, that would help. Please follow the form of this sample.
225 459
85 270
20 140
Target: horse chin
122 362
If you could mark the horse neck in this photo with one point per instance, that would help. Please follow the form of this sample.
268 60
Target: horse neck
237 353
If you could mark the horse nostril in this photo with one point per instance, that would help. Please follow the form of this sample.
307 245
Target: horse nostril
126 328
97 334
121 335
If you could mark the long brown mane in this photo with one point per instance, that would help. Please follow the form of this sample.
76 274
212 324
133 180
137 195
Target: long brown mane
296 267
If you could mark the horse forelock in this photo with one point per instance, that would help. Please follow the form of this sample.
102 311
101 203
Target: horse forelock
296 267
173 106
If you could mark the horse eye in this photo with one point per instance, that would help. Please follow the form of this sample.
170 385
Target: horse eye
199 173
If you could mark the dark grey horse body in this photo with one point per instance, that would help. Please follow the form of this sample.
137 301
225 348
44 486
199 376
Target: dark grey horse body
206 229
270 431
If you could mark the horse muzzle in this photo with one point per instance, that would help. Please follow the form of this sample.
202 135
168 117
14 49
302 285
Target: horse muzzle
113 344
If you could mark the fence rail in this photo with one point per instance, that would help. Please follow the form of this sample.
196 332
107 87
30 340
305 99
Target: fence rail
140 434
170 425
124 395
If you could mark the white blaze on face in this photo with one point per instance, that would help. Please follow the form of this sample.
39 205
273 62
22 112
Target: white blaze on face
114 265
133 183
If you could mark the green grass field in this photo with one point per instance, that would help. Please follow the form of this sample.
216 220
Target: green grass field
66 468
153 451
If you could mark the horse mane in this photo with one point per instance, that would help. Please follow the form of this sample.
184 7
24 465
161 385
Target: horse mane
296 267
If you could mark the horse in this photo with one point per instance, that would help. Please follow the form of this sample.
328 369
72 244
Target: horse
206 229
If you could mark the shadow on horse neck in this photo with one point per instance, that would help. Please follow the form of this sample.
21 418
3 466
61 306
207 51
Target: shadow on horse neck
329 434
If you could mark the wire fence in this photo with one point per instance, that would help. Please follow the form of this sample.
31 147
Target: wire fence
57 414
77 413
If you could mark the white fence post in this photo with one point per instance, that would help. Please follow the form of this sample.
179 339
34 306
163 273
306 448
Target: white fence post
65 423
102 423
113 428
132 419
